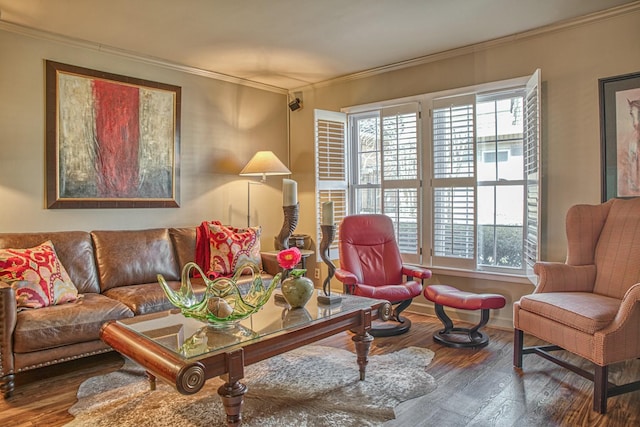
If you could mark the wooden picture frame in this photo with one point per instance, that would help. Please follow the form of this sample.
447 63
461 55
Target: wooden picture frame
620 135
111 141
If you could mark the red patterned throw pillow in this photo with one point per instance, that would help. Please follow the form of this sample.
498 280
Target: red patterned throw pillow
230 247
37 276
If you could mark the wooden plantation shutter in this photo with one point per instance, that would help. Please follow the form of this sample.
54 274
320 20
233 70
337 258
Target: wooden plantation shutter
401 177
453 182
331 171
532 173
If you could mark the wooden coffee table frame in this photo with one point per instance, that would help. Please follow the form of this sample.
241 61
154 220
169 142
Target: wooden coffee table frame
188 375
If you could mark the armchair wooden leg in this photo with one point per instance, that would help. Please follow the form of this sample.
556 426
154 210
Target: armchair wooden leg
518 343
600 388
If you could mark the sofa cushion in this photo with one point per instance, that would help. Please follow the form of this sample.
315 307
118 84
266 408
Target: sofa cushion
184 243
132 257
59 325
38 277
74 250
149 298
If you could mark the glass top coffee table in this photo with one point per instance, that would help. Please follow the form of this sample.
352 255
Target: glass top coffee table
185 352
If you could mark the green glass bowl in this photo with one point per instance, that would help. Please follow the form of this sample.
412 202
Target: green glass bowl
223 303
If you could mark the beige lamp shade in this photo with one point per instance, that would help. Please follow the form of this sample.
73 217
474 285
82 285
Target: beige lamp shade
264 163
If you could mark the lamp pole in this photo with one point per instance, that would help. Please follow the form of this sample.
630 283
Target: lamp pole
262 181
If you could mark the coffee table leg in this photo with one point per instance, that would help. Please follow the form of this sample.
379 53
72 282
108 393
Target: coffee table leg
363 340
152 380
232 391
363 343
233 398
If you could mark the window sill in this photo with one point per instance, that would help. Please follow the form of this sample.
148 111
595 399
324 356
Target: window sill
485 275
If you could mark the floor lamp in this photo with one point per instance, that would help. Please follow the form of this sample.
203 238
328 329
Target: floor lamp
263 163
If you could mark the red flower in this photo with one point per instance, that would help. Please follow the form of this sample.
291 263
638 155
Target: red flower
289 258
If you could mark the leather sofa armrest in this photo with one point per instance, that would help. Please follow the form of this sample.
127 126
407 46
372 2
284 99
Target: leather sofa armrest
560 277
7 326
270 263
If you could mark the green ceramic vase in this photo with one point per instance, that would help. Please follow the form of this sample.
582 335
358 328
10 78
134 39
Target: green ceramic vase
297 291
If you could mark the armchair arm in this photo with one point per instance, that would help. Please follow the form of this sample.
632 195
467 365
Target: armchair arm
560 277
621 335
416 271
7 326
346 277
630 302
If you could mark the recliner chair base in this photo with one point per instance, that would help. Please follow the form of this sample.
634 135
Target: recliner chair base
400 324
457 337
398 327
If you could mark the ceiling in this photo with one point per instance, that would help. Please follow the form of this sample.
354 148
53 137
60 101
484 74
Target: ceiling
290 43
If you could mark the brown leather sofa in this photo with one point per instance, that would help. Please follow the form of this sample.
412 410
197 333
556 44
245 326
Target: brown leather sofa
116 275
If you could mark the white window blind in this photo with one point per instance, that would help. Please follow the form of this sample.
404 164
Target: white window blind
331 173
401 178
453 141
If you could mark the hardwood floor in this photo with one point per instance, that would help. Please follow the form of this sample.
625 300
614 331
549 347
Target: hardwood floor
475 387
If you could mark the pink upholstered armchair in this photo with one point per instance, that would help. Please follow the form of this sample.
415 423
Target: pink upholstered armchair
589 305
370 266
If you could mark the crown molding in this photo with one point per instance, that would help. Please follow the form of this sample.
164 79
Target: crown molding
478 47
145 59
150 60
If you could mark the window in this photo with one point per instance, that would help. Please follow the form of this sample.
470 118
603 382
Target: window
366 185
385 176
480 157
485 179
500 183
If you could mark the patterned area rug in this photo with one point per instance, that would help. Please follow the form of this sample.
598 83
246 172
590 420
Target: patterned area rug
311 386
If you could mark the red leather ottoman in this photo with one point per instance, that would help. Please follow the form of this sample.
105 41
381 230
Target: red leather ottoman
448 296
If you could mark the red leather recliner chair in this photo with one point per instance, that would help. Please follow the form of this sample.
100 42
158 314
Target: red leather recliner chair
370 266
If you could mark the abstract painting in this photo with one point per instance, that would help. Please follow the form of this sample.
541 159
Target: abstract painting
112 140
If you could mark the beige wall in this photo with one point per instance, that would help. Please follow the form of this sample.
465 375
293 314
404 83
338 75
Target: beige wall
572 59
223 124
